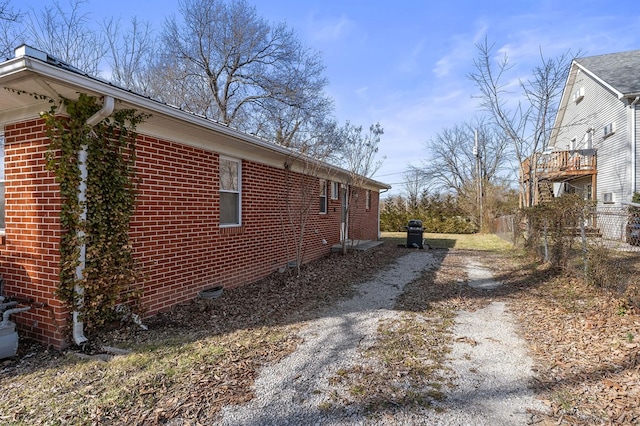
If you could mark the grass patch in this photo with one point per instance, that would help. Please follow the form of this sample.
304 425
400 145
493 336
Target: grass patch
480 242
405 368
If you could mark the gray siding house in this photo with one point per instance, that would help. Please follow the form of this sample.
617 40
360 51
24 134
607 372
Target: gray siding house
594 149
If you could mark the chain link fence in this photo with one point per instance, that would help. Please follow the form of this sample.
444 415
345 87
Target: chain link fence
599 244
616 228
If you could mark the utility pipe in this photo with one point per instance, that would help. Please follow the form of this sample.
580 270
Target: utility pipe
78 326
5 316
634 145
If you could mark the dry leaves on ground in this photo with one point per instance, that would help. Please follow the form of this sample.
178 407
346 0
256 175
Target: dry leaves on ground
586 344
206 354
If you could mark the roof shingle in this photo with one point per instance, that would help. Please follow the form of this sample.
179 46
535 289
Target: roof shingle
620 70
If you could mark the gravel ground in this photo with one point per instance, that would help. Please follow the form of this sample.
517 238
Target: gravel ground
493 372
490 362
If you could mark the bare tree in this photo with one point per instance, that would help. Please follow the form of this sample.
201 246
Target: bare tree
10 31
301 189
471 162
67 36
238 69
454 159
358 157
415 179
527 124
131 55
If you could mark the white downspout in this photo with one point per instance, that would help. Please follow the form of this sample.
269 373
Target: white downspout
106 110
634 145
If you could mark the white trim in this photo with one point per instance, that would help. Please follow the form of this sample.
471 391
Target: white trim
335 190
15 70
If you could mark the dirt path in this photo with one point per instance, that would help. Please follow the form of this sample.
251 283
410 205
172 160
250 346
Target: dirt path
490 364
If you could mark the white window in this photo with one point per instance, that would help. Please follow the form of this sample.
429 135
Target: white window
335 190
609 129
368 200
323 196
578 95
607 197
230 191
2 180
587 140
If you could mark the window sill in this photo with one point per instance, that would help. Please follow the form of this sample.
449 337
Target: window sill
231 230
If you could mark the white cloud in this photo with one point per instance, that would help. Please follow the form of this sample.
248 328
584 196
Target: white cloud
411 62
460 54
362 93
328 29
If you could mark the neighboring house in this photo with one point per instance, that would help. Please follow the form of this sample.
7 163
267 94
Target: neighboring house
188 233
594 145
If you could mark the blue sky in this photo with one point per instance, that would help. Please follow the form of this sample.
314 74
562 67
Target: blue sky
405 63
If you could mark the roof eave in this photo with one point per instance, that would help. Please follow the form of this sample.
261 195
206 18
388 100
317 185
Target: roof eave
94 85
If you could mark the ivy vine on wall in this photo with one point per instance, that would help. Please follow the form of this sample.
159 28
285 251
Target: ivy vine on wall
110 275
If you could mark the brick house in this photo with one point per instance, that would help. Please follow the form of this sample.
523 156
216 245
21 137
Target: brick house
189 232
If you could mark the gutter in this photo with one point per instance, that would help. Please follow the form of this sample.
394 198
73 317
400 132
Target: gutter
34 61
78 326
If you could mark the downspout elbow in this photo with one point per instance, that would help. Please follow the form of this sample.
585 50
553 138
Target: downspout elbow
108 105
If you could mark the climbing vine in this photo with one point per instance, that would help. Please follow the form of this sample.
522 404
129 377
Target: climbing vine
109 276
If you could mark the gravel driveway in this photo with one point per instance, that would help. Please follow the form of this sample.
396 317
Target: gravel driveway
490 362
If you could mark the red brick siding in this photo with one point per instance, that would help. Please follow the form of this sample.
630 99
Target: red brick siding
363 222
29 257
178 243
176 234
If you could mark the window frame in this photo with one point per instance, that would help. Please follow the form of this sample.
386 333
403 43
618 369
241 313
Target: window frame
237 191
322 198
335 190
609 130
367 202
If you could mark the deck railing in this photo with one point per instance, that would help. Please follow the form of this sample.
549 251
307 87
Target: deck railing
558 164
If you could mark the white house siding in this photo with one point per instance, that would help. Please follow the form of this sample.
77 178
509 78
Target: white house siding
636 178
599 107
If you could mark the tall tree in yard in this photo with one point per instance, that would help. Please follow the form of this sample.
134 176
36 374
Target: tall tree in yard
65 34
470 161
526 123
231 65
10 31
131 54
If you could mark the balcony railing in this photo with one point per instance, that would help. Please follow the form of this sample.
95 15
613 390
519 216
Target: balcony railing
560 165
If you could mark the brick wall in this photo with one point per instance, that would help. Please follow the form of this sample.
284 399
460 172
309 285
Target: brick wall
29 255
178 243
176 234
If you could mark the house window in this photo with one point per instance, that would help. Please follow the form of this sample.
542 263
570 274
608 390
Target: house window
609 129
323 196
587 140
2 202
230 192
607 197
335 190
578 95
368 200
